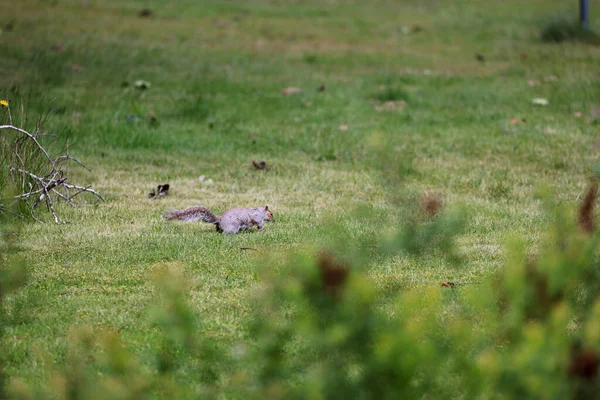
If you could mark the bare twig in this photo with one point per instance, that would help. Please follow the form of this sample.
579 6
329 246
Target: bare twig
67 158
32 137
66 198
53 183
83 189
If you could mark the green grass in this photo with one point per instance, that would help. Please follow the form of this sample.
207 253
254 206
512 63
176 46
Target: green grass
216 70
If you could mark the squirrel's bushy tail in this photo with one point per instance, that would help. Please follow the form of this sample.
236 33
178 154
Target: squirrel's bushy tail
193 214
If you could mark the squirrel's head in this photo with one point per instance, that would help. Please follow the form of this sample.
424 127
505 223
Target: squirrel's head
269 214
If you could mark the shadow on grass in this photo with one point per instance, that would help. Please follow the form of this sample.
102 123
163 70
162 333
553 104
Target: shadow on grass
560 30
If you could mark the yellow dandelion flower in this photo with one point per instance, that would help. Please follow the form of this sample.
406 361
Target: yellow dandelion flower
4 103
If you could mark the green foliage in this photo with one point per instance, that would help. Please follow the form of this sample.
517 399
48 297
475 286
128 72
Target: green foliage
317 329
529 331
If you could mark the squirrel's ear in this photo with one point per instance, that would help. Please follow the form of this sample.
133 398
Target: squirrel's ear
266 208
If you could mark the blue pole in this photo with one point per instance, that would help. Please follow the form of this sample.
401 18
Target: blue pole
584 13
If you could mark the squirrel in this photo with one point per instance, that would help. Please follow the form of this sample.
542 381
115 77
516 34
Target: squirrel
232 221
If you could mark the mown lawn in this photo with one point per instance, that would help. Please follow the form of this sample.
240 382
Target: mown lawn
460 77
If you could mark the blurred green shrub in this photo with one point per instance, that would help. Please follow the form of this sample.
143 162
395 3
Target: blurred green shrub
317 330
529 331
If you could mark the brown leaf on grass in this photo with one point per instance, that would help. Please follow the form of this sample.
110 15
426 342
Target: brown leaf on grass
145 13
9 26
448 284
161 190
259 164
431 204
585 216
76 68
584 364
515 121
333 273
290 90
391 106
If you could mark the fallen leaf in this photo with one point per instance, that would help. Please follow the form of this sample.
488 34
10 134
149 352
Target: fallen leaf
515 121
538 101
161 191
9 26
290 90
585 365
431 204
391 106
343 128
142 85
333 273
259 164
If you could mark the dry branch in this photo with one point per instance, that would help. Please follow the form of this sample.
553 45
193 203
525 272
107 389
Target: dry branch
39 188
